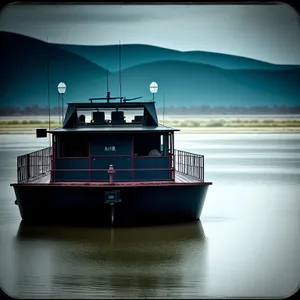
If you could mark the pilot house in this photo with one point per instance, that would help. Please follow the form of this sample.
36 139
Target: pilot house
125 135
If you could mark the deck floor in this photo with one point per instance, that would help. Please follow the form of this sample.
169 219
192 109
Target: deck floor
179 178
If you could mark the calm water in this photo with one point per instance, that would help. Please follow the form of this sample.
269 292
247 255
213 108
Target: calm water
247 243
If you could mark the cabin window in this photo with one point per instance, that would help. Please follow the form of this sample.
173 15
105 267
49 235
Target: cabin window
170 139
165 145
145 143
73 146
105 116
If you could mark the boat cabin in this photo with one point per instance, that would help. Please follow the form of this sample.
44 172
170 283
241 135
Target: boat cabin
123 134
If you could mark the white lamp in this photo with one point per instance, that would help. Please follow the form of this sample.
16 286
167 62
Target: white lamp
153 88
61 88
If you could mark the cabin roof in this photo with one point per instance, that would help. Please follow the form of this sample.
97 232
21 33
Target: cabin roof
114 128
110 104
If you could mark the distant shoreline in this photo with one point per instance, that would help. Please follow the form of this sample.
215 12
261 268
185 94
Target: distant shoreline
167 116
191 130
186 124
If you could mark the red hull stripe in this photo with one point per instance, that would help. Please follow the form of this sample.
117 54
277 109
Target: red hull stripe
119 184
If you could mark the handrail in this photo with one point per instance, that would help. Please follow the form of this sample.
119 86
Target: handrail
117 170
55 173
190 164
33 164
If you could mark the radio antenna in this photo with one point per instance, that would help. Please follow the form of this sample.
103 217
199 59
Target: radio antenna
120 79
107 87
163 109
48 93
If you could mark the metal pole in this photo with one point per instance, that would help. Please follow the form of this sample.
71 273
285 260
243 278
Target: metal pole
58 107
48 94
62 108
120 79
163 109
27 166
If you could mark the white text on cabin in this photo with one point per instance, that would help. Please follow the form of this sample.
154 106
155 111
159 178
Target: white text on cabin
110 148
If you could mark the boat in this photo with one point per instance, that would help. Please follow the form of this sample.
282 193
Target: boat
118 168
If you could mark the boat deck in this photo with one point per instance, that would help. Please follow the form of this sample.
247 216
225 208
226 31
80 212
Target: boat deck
180 178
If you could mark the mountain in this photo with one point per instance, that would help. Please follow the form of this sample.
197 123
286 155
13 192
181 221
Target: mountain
135 54
185 83
24 72
24 78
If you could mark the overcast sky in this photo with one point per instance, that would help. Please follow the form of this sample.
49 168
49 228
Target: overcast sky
266 32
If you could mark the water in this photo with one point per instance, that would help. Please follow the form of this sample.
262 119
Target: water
246 245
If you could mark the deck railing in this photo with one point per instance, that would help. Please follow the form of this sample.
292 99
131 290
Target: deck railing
33 164
190 164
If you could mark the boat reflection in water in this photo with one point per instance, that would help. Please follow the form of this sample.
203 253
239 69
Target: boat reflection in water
94 262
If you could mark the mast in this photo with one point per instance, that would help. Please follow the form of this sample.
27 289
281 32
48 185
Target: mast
107 87
48 93
120 84
163 112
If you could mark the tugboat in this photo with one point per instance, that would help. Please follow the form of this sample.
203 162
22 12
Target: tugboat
118 168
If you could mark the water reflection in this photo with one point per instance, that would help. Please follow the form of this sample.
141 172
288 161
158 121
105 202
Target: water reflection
122 235
135 261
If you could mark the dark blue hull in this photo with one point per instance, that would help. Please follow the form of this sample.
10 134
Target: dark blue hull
86 204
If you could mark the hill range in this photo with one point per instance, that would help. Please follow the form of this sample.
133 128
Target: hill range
29 66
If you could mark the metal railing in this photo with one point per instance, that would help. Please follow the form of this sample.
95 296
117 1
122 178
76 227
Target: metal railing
190 164
129 175
33 164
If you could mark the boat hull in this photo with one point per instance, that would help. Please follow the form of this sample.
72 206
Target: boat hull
87 204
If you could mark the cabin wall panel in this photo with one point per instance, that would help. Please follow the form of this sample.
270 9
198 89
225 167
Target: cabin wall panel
103 176
74 166
76 175
122 165
72 163
105 162
151 175
108 145
151 163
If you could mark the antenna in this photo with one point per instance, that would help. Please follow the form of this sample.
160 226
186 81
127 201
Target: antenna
58 108
163 109
48 87
107 87
120 70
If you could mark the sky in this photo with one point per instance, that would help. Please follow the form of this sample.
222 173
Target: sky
269 33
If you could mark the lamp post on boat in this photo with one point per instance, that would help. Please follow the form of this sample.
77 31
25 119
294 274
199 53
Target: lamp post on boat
153 89
61 88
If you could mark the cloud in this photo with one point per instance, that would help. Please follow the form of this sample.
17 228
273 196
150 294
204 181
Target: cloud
84 14
267 32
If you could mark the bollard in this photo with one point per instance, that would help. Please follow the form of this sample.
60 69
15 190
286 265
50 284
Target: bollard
111 172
